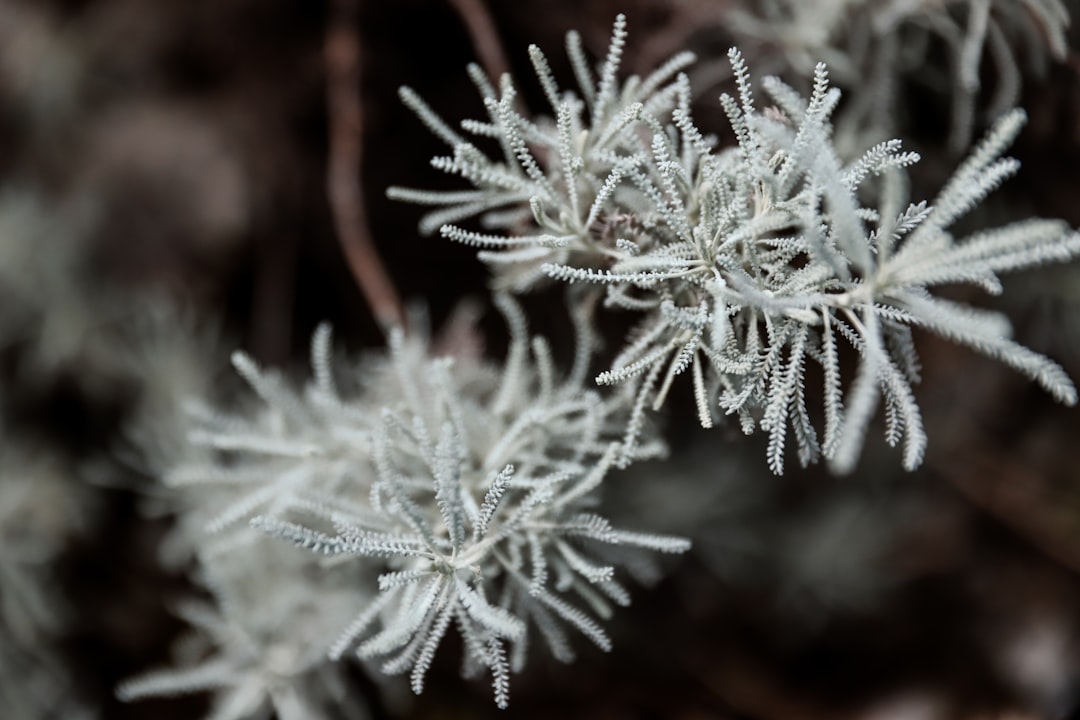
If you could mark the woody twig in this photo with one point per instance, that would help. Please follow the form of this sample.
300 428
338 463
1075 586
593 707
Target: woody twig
343 63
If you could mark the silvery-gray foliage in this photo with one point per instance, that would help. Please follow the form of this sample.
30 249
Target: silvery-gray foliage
873 45
427 491
290 448
482 514
751 263
260 647
553 175
452 491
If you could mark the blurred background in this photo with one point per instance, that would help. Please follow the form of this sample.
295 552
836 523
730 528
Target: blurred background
164 200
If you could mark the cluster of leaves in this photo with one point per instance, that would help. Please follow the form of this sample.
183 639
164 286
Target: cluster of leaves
452 492
873 48
260 644
747 263
426 491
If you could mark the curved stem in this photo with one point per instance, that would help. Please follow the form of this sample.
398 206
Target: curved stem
342 58
484 37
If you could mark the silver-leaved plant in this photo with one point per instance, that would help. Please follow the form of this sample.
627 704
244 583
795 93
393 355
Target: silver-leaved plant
875 47
481 514
454 492
747 264
365 513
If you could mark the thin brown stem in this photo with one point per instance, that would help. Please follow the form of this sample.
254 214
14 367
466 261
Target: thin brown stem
485 40
1014 495
484 37
342 57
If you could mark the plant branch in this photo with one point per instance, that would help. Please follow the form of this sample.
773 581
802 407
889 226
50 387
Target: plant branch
484 37
342 58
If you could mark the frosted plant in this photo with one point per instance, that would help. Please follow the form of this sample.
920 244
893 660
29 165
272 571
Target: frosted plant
367 512
174 354
260 647
294 448
750 263
872 46
459 492
482 515
555 174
